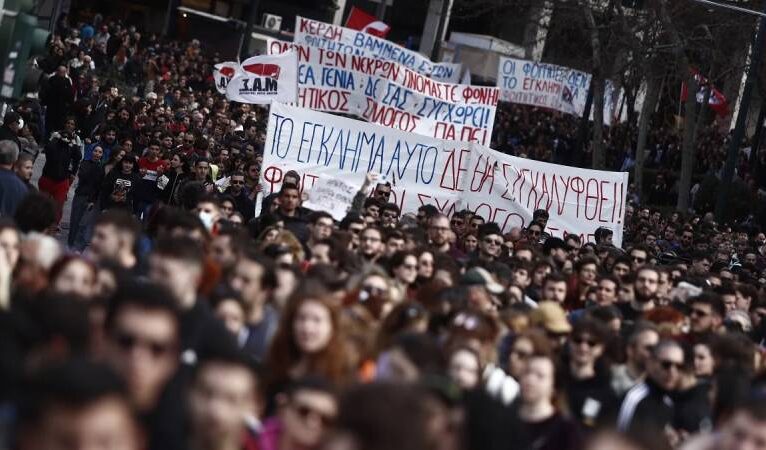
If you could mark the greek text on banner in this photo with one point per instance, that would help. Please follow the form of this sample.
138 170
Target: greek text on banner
544 85
345 40
389 94
448 174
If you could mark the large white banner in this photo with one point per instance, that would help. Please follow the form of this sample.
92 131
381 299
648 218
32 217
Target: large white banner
544 85
345 40
265 78
451 175
507 190
389 94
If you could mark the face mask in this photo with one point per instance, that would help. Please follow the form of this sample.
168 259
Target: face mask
207 219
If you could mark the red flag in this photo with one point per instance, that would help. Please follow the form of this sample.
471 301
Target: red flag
717 101
360 20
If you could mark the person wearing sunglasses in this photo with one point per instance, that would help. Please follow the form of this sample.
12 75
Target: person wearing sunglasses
306 413
647 406
589 393
490 242
143 340
706 313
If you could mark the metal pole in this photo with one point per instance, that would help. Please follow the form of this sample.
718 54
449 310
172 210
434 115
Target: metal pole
757 137
380 12
244 49
440 30
739 129
732 7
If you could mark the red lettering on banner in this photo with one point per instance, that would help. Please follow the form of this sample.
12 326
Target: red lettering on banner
323 99
602 201
589 194
507 183
562 200
455 172
444 131
273 176
308 177
322 29
391 117
470 134
578 186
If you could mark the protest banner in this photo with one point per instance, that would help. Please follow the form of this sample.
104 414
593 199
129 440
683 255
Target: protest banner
223 73
450 175
362 21
345 40
387 93
265 78
332 195
507 190
319 145
544 85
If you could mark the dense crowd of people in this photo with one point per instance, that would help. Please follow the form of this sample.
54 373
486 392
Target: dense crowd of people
175 318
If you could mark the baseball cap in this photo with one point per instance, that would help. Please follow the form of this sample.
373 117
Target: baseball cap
478 276
551 317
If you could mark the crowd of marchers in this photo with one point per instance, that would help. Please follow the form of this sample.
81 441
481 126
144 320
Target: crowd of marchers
161 313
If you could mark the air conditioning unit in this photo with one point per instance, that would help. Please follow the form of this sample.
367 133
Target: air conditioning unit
272 22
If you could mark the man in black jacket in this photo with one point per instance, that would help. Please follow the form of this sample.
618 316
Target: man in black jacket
62 158
648 406
90 175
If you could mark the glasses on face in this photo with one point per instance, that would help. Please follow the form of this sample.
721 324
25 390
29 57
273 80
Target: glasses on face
579 340
382 194
667 365
638 259
490 241
305 412
128 341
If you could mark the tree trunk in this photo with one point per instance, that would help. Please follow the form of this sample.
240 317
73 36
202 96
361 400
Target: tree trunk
647 110
687 149
597 144
599 156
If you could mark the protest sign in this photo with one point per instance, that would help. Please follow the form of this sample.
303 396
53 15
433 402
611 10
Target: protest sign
332 195
318 145
387 93
223 73
544 85
507 190
345 40
448 174
265 78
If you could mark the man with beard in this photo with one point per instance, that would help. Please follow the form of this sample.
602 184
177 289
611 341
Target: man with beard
108 142
645 293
